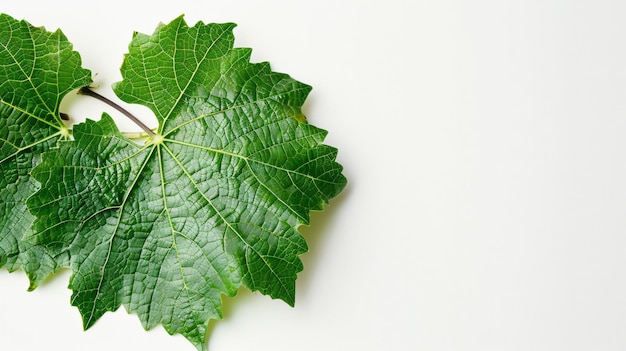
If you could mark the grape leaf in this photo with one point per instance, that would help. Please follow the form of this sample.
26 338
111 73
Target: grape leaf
210 203
37 68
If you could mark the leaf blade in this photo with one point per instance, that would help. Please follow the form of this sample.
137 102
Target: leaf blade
37 68
212 203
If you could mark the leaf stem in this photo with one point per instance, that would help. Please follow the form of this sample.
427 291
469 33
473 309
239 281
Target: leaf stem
87 91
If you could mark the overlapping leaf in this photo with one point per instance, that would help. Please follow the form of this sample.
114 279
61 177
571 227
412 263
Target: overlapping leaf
210 203
37 68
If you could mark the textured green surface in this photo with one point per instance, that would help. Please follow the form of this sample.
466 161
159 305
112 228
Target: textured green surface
212 203
37 68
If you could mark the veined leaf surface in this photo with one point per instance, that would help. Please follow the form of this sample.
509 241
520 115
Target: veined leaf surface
37 69
210 203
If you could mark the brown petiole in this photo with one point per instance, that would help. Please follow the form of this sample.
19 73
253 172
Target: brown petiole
87 91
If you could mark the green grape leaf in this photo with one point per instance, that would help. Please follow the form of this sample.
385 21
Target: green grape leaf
37 68
210 203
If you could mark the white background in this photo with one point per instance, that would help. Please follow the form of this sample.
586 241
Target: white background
484 146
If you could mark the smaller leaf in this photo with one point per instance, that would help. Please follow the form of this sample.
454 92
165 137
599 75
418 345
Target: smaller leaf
37 68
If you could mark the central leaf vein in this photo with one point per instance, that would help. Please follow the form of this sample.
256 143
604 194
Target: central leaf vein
30 75
247 159
191 79
226 222
29 114
113 235
20 149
